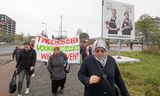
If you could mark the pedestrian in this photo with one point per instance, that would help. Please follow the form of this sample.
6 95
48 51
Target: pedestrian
85 50
16 53
32 43
127 43
99 68
56 64
131 45
108 46
25 67
44 34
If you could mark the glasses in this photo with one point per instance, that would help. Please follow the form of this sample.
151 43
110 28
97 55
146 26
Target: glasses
99 50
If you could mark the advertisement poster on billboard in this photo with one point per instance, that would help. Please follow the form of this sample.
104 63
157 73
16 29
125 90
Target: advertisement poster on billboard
118 20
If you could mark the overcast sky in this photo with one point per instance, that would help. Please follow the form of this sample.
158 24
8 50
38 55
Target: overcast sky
84 14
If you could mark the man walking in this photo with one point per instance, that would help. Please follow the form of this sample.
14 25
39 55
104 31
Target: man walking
16 53
85 50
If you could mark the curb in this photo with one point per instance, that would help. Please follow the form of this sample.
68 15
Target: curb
5 54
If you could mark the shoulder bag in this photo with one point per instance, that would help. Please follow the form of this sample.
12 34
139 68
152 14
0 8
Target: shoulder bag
117 90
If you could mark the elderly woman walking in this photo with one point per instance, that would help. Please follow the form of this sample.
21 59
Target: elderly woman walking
55 67
99 73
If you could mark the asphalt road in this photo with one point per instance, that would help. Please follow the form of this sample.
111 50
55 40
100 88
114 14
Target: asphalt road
10 48
6 49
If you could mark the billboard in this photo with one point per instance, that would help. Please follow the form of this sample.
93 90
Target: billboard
118 20
45 48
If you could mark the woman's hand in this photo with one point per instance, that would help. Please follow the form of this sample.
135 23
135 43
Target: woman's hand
94 79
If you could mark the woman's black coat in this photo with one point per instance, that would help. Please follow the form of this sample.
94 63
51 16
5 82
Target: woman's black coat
90 67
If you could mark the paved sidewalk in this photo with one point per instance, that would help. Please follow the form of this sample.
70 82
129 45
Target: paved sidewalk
4 59
41 83
6 71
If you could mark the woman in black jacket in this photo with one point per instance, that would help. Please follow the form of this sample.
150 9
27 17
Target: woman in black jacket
99 68
25 67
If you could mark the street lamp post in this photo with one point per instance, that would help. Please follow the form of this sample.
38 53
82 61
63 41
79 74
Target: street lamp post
45 26
102 20
45 29
61 26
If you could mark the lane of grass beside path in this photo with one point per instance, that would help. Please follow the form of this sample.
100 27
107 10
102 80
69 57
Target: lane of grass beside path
143 78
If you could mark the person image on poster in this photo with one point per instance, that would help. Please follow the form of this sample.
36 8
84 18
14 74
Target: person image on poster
113 25
127 26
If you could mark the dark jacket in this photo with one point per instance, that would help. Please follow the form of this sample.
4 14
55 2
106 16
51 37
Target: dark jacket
56 66
127 24
16 54
26 59
83 50
112 24
89 67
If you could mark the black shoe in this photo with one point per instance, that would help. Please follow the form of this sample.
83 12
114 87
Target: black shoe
45 63
55 94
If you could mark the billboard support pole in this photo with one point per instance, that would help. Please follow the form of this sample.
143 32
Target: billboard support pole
119 47
102 20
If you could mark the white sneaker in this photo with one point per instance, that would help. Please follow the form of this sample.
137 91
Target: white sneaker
33 75
19 94
27 91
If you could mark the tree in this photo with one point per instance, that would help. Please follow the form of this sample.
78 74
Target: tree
155 39
11 38
147 25
7 38
28 37
19 38
83 36
3 38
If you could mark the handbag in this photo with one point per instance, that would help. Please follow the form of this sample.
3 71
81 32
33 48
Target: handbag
117 90
67 68
12 84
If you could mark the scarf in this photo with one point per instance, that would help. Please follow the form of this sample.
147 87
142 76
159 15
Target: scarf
100 44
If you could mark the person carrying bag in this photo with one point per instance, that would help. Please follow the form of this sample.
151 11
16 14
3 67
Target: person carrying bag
57 67
25 67
113 91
